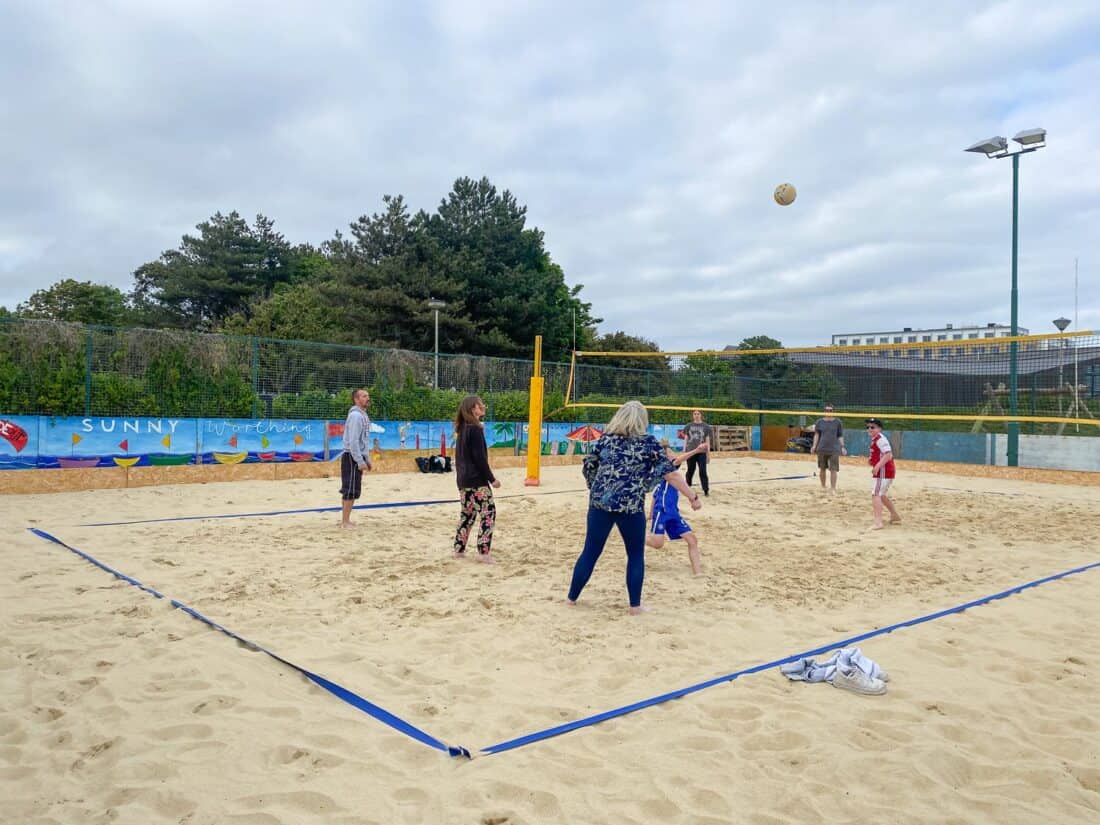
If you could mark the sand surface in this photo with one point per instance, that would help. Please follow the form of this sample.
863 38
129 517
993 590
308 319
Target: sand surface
119 708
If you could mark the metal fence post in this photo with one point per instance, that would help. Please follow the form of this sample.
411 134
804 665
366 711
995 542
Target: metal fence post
88 351
255 377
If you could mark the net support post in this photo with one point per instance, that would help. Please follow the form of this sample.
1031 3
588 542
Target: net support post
534 419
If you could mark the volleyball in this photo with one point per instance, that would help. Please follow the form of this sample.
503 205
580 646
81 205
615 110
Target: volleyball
785 194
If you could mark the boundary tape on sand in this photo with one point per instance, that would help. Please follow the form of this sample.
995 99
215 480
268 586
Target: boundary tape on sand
385 505
412 731
340 692
729 677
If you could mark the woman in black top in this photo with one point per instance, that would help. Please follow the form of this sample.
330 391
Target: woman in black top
475 479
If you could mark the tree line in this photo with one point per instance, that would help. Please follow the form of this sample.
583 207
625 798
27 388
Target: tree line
371 285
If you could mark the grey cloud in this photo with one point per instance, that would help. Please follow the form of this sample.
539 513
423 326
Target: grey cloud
645 140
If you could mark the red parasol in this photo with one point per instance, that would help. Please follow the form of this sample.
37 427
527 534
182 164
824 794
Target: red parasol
585 434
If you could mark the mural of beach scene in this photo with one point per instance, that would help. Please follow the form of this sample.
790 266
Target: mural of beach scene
557 438
18 442
245 440
576 439
115 442
27 442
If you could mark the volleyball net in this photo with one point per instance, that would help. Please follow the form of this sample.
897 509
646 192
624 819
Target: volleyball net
954 383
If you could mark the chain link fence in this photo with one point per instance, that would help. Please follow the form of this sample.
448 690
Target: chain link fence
54 368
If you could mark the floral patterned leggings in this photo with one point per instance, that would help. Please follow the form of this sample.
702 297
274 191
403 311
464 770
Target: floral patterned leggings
476 501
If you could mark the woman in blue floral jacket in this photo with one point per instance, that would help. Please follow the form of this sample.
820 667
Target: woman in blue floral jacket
623 466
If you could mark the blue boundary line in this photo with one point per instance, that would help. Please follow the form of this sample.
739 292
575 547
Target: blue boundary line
387 505
729 677
381 506
398 724
340 692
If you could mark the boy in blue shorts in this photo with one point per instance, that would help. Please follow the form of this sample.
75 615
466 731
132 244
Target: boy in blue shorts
665 521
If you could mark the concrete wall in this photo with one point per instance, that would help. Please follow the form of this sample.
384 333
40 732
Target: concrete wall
1059 452
1039 451
921 445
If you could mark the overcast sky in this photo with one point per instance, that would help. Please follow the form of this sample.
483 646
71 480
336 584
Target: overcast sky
644 138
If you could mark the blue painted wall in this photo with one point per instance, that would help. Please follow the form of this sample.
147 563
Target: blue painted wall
921 445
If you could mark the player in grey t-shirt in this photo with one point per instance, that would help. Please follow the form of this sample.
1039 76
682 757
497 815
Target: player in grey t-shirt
698 434
828 446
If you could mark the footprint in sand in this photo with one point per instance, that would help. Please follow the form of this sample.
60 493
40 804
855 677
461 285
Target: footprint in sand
214 704
47 715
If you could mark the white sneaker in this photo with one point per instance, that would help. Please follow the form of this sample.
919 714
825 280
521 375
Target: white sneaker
858 682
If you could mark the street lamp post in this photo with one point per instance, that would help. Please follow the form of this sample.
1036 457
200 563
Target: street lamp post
1061 324
436 305
1030 140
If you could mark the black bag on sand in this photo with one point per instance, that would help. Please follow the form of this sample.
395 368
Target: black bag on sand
434 464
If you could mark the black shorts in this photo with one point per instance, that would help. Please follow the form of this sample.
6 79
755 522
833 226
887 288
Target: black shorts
351 478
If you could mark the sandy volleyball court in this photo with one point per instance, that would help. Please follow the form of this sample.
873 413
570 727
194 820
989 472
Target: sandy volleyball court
120 709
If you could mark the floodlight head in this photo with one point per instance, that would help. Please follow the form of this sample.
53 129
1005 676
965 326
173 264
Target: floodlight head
1031 137
435 303
990 147
1062 323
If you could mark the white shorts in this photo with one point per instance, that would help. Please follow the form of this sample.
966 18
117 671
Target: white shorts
879 486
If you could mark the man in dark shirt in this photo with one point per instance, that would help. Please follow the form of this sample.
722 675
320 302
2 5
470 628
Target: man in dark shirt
698 433
828 446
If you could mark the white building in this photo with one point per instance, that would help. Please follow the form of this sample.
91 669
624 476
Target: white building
949 332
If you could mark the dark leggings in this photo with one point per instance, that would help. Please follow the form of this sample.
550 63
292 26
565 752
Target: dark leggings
698 460
632 529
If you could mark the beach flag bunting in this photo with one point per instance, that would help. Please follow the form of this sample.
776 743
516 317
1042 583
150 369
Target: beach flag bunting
264 441
124 445
298 439
166 441
76 439
233 441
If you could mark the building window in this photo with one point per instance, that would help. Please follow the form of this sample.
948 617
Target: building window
941 337
957 336
884 340
990 334
855 342
912 339
926 337
897 339
972 335
843 342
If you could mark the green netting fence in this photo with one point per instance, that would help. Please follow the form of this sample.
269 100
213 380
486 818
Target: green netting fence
1057 377
53 368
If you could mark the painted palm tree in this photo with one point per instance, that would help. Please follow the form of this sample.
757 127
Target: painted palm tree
506 431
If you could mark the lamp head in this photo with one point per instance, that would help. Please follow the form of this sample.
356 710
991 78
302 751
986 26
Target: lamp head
991 147
1062 323
435 303
1031 138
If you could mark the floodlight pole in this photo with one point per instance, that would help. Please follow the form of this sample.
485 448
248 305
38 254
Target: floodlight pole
435 305
1013 351
1060 323
1030 140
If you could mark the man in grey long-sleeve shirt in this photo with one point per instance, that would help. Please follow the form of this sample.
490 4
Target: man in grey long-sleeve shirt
356 456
